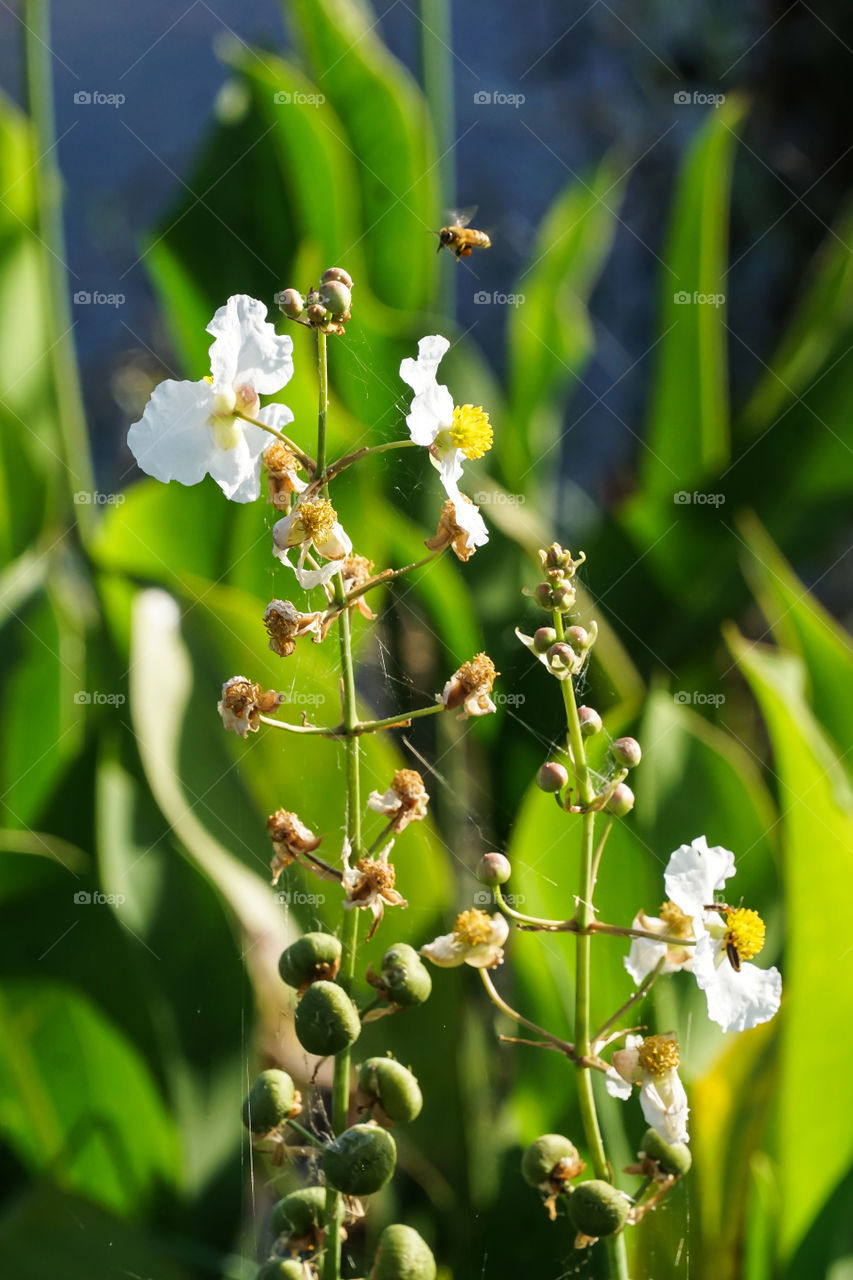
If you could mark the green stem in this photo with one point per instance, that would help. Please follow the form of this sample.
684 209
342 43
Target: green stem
335 468
398 721
323 406
305 458
616 1251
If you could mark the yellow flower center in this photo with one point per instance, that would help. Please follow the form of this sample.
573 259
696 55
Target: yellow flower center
676 920
658 1054
473 928
318 518
745 931
471 431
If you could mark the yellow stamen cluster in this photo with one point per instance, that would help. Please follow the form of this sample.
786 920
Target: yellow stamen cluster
473 928
471 431
318 518
658 1054
676 920
746 931
376 877
477 675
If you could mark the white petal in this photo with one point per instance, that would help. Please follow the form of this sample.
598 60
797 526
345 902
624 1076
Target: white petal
337 546
625 1061
173 439
420 373
467 515
450 471
694 872
279 417
616 1086
643 957
430 412
389 802
237 471
445 951
247 348
736 1000
664 1104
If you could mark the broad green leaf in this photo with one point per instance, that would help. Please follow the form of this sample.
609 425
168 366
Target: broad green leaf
79 1100
814 1148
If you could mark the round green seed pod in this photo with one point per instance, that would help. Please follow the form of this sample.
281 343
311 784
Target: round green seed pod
313 956
291 303
621 802
626 751
361 1160
673 1157
403 1255
405 977
542 1157
317 314
543 638
597 1209
299 1213
326 1019
494 868
552 776
337 273
335 297
281 1269
590 721
393 1086
270 1101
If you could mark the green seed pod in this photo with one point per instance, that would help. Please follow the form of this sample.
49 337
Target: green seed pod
337 273
393 1086
281 1269
271 1100
361 1160
300 1212
590 721
673 1157
493 868
542 1158
627 752
404 977
326 1019
597 1209
335 297
312 957
403 1255
291 303
621 802
543 638
552 776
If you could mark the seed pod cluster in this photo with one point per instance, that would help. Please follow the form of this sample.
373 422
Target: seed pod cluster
326 307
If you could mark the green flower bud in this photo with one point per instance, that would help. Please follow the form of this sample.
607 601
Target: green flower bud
542 596
554 557
551 1157
393 1086
361 1160
597 1209
562 657
403 1255
299 1213
493 868
563 597
281 1269
672 1157
317 313
551 776
271 1100
621 802
627 752
590 721
337 273
404 979
578 638
310 958
326 1019
543 638
335 297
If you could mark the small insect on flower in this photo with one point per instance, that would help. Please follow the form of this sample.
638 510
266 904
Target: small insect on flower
461 238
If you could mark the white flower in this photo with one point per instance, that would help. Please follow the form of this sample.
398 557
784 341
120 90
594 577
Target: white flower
370 884
739 995
312 523
190 429
645 953
450 432
477 939
652 1063
405 800
463 530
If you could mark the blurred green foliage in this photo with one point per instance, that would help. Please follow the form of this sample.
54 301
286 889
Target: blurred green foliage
130 1026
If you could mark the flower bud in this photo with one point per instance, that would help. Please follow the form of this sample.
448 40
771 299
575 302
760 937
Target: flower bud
554 557
672 1157
326 1019
317 313
548 1159
563 597
337 273
551 776
597 1209
313 957
299 1213
493 868
562 657
542 596
335 297
291 303
627 752
404 978
621 801
361 1160
272 1098
281 1269
578 638
543 638
403 1255
391 1085
590 721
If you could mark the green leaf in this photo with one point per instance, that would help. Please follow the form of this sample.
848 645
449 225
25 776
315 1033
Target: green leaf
817 824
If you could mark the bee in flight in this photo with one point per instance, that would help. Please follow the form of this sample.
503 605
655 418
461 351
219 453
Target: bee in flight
461 238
